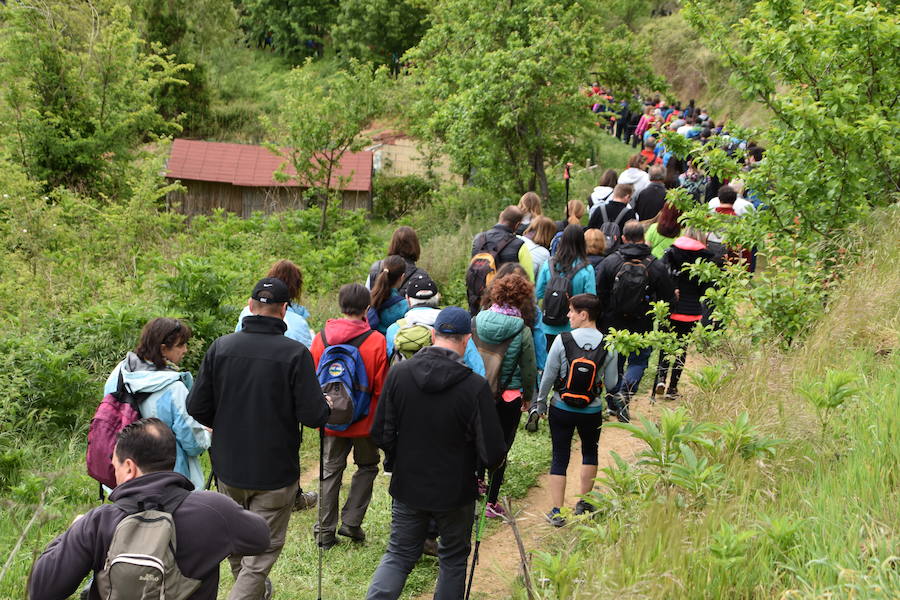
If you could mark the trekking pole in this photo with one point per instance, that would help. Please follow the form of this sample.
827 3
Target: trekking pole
321 477
567 176
479 529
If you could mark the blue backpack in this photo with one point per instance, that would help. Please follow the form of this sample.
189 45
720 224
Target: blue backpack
342 375
373 315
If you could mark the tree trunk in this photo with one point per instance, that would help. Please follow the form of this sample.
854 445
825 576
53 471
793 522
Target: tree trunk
539 173
323 200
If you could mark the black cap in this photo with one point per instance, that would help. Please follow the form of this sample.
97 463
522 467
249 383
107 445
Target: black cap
421 287
271 290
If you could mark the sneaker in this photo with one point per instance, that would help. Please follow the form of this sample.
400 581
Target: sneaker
660 389
555 518
354 532
431 547
672 394
305 500
493 510
267 595
583 507
534 417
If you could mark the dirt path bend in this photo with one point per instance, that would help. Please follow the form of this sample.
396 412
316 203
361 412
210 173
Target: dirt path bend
499 563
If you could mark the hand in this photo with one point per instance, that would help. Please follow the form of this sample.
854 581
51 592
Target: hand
329 401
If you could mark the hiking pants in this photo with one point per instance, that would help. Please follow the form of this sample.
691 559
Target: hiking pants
509 414
637 364
366 457
274 506
682 329
563 424
408 530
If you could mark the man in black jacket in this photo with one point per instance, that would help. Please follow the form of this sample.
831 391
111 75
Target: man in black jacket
502 237
435 420
255 389
658 286
650 201
208 526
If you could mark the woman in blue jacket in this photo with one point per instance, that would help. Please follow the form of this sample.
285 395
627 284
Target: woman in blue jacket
388 305
297 316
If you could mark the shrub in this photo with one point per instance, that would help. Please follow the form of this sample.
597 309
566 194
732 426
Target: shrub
398 196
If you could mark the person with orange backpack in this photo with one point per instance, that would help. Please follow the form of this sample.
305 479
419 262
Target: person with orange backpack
492 248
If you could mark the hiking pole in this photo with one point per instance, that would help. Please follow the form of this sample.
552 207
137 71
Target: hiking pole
479 529
321 477
567 176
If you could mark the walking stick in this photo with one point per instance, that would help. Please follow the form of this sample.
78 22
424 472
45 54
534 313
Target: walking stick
567 176
479 529
321 477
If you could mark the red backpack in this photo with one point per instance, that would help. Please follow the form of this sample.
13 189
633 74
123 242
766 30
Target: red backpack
116 410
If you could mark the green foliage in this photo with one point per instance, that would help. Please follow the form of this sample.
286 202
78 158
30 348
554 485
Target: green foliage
739 438
829 394
379 31
293 24
397 196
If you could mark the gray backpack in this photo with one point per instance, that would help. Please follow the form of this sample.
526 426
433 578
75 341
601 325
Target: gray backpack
140 563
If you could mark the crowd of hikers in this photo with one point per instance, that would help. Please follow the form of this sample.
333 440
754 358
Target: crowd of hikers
434 395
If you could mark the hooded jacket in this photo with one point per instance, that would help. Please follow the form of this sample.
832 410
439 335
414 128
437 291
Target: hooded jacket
660 285
374 356
685 251
518 367
168 391
426 315
254 389
637 178
209 527
435 422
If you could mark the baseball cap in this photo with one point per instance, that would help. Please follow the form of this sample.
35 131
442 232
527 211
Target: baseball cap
421 287
453 321
271 290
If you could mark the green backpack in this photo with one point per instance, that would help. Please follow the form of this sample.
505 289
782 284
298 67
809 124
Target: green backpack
409 339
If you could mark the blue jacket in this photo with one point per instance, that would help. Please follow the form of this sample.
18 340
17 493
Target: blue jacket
392 313
583 283
426 316
296 319
168 394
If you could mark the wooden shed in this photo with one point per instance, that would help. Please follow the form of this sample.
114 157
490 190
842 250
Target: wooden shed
238 178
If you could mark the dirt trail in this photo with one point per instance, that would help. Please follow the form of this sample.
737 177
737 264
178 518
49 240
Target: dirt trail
499 563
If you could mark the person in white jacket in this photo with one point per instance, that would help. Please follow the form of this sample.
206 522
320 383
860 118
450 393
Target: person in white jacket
635 175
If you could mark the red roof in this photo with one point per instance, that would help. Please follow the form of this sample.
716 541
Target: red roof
253 166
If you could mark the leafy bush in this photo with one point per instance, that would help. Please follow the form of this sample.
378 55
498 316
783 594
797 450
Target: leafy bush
398 196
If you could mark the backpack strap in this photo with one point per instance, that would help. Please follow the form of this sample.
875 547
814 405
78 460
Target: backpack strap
603 213
358 340
618 218
503 246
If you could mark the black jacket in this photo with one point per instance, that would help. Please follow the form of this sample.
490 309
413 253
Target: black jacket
435 420
209 527
660 283
650 201
495 237
255 387
685 251
613 208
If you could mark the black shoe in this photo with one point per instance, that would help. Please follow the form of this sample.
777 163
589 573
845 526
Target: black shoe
534 418
325 539
583 507
618 406
555 519
305 500
431 547
354 532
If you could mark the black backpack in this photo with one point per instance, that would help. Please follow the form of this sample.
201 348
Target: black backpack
611 230
631 287
557 294
582 383
482 269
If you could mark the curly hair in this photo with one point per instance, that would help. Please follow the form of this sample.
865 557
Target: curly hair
515 291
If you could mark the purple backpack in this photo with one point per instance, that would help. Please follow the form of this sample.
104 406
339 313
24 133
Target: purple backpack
116 410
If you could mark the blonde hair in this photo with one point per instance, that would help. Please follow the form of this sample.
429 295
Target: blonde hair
530 204
738 186
543 229
575 210
595 241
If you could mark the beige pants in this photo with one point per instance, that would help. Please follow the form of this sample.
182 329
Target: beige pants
274 506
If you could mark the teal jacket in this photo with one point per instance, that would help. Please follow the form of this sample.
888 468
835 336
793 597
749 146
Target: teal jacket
582 283
519 362
392 313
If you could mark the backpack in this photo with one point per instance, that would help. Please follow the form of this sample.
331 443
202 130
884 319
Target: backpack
557 294
582 383
409 339
140 563
116 410
481 271
611 230
373 316
631 287
342 375
493 355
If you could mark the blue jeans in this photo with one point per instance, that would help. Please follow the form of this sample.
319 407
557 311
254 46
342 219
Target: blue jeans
637 364
408 531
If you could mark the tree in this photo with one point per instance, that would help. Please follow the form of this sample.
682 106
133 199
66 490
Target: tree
499 89
78 104
320 120
379 31
298 27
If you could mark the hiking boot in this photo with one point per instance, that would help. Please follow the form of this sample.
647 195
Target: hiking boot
267 595
325 539
305 500
534 417
430 547
672 394
555 518
354 532
493 510
583 507
660 389
618 405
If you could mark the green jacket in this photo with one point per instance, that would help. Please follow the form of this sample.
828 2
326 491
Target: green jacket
494 328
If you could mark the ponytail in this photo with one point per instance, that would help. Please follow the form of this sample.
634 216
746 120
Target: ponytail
392 269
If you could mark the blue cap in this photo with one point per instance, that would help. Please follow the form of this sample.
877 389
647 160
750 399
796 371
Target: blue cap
453 321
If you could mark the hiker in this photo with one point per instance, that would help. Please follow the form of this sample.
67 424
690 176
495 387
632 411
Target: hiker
565 275
207 526
255 389
530 205
415 330
434 412
405 244
627 281
595 246
538 238
297 315
490 250
603 192
574 211
353 329
151 372
694 181
504 339
635 175
687 310
617 211
576 404
650 200
730 200
664 230
649 153
387 303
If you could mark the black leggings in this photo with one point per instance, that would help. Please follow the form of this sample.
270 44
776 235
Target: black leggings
563 424
509 414
682 329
